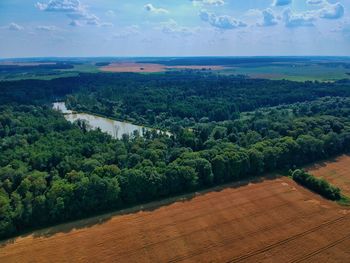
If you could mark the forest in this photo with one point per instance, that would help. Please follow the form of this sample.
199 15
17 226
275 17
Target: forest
224 129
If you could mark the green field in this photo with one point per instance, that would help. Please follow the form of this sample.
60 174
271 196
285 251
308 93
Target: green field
293 72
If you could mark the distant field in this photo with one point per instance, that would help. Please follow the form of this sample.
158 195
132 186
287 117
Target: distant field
292 72
152 68
275 68
271 221
336 172
133 67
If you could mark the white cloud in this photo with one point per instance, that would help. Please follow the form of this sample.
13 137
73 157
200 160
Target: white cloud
61 6
327 11
298 20
269 18
46 28
208 2
14 27
152 9
222 22
73 9
330 11
89 18
281 2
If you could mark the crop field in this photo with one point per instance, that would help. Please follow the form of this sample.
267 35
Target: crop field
274 220
336 172
293 72
152 68
133 67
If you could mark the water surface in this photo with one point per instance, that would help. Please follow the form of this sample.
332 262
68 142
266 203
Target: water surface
112 127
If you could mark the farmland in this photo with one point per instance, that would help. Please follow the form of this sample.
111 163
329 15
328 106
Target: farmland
336 171
152 68
250 223
294 68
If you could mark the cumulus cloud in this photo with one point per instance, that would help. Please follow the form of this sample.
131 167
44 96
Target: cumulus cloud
281 2
72 8
326 11
61 6
223 22
14 27
208 2
332 11
269 18
152 9
298 20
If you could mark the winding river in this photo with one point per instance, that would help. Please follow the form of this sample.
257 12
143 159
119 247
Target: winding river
115 128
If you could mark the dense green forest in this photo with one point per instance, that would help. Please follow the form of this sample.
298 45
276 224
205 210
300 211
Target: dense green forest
224 128
169 99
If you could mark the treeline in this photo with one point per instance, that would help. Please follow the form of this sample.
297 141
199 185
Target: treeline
52 171
169 99
15 68
317 185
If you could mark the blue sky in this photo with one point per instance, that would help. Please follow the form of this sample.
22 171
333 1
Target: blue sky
33 28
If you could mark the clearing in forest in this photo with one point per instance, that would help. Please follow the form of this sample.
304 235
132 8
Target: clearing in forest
272 220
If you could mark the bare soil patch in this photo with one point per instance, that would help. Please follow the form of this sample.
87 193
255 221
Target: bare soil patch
335 171
152 68
133 67
270 221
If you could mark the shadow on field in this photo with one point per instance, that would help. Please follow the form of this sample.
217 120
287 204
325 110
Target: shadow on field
148 207
324 163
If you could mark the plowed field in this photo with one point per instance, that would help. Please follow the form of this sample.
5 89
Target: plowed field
270 221
336 172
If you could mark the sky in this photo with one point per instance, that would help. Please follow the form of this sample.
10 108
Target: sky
126 28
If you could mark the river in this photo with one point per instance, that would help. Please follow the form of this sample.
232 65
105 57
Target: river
115 128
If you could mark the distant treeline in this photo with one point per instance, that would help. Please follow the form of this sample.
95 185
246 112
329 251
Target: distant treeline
24 68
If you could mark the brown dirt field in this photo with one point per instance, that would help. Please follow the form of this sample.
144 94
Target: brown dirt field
133 67
271 221
150 68
335 171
